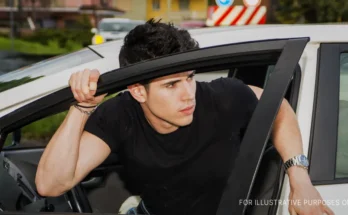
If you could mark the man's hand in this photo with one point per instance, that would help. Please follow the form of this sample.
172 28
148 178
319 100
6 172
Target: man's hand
84 86
304 199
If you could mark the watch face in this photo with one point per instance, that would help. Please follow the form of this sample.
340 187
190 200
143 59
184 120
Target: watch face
303 160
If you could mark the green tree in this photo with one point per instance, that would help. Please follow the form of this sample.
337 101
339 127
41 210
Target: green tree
311 11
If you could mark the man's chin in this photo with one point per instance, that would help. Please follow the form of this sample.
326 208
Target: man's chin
185 121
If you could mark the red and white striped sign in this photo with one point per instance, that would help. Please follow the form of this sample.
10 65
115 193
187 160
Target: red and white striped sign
236 15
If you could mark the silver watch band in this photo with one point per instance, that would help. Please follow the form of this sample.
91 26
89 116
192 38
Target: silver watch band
294 162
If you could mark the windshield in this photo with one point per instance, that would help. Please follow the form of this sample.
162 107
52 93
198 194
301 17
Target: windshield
45 68
118 26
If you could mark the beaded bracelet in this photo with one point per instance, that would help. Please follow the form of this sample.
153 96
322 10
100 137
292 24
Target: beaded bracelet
86 106
83 111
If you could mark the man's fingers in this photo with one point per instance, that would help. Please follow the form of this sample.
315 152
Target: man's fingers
72 83
93 86
84 81
327 210
84 85
94 76
79 90
93 80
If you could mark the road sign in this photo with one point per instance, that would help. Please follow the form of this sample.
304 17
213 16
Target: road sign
224 3
236 15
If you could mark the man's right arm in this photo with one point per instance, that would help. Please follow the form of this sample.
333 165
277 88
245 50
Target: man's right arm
72 152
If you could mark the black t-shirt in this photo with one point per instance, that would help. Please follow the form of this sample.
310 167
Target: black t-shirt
183 172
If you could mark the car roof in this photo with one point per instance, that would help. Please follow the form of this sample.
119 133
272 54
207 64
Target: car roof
214 36
206 37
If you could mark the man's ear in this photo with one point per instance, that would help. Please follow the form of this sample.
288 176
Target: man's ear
138 92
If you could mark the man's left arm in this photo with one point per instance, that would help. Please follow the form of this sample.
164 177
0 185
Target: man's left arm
288 142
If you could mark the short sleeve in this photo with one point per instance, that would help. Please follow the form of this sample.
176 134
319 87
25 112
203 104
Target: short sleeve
104 123
237 101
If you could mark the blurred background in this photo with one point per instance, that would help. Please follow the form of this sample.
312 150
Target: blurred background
34 30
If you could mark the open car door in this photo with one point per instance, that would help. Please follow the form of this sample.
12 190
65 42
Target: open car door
258 131
283 53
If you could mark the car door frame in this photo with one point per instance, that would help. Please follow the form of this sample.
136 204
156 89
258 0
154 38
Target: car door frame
324 132
117 80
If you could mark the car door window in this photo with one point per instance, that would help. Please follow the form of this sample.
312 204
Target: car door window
342 138
223 58
38 133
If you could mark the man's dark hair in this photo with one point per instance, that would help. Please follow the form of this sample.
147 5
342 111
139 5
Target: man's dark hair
154 39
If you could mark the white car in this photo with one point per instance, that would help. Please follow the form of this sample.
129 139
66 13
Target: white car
307 64
113 29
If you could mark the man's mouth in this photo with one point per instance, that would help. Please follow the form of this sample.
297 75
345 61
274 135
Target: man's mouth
189 110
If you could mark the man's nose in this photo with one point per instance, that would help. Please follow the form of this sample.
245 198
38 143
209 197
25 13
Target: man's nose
188 91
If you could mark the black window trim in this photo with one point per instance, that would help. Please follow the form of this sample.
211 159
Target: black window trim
324 131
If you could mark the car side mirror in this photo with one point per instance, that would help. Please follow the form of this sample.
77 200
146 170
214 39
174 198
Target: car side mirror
94 30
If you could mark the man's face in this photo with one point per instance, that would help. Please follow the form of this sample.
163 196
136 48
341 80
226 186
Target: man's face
172 98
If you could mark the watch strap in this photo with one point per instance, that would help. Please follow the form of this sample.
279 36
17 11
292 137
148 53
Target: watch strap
295 161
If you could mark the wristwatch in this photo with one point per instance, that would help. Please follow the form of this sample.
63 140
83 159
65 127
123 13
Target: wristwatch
298 160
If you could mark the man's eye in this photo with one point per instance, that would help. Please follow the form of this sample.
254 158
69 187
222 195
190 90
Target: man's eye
170 85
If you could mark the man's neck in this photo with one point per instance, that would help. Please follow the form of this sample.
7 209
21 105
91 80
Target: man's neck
158 124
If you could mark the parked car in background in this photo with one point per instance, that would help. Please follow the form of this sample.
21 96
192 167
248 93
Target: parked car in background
190 24
306 64
109 29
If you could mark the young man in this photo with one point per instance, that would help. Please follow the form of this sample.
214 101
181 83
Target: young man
176 137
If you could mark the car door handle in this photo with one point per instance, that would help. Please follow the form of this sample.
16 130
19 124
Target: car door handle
92 182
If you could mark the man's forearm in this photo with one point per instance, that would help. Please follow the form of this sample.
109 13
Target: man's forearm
286 133
288 142
58 163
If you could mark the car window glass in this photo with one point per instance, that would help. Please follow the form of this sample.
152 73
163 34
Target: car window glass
45 68
342 138
38 133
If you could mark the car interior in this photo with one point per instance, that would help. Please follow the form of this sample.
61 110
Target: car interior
104 190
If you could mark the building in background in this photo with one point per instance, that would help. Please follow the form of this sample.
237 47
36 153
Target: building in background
66 13
177 11
55 13
134 9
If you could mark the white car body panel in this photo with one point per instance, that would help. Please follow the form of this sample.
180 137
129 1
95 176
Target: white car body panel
212 37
